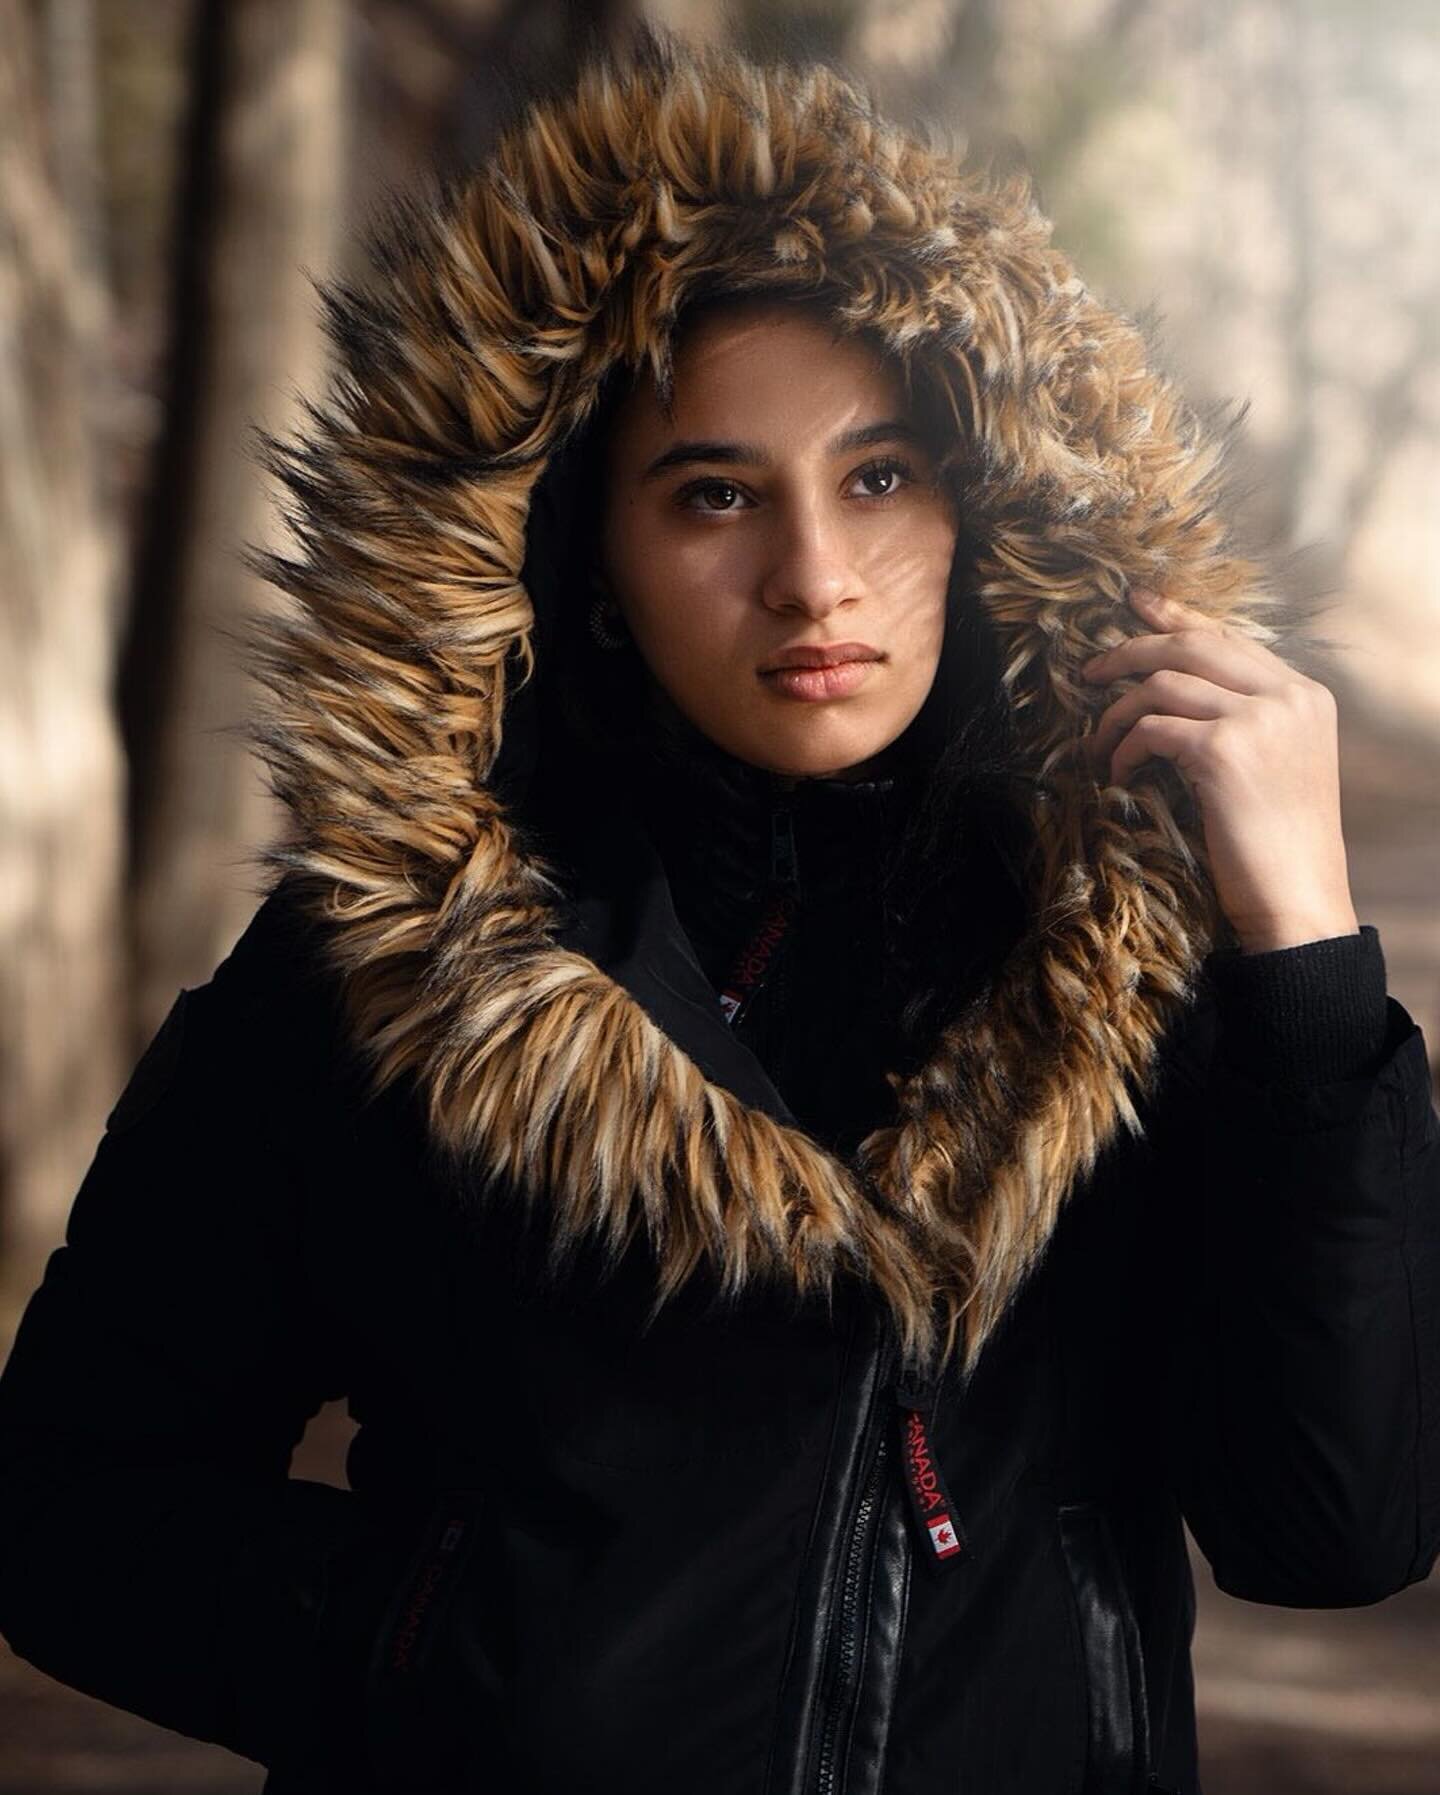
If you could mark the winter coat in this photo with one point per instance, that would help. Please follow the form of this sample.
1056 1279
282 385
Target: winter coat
699 1449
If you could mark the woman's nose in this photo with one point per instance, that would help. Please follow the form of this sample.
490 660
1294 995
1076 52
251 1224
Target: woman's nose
809 568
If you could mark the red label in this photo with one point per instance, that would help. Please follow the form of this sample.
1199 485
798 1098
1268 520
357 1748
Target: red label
920 1466
412 1619
935 1516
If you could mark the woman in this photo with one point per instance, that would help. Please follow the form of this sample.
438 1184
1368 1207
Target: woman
805 1178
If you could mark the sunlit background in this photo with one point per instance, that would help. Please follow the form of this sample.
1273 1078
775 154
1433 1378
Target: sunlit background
1258 177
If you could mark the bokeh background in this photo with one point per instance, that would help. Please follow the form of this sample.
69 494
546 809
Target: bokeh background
1258 178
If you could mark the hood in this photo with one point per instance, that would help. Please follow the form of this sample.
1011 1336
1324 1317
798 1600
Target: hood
398 683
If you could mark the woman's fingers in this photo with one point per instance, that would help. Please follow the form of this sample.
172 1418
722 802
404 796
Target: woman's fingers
1168 693
1189 642
1257 745
1196 669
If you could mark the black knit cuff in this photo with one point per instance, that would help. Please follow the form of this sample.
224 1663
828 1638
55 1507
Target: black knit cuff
1311 1014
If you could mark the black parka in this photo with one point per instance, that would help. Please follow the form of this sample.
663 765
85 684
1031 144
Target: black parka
657 1390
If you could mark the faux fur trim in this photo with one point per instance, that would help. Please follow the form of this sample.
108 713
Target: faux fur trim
495 310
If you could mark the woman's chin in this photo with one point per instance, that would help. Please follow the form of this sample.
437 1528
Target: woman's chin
810 758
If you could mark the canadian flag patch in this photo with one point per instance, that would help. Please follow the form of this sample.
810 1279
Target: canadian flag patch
942 1536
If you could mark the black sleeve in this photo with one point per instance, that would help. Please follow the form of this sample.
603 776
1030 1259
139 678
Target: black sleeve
1295 1310
154 1551
1303 1015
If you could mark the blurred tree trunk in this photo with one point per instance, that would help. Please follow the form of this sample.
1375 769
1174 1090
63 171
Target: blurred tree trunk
271 81
61 773
1293 87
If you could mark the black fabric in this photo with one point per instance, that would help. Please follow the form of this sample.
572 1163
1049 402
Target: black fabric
256 1239
825 1024
1304 1014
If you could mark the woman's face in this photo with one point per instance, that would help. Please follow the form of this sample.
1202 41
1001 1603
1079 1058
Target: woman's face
790 504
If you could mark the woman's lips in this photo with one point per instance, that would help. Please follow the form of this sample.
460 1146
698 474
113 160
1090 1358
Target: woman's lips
819 682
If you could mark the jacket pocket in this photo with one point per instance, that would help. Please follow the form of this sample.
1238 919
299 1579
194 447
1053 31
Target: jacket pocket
1118 1760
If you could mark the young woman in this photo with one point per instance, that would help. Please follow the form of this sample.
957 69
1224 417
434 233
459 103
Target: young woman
814 1121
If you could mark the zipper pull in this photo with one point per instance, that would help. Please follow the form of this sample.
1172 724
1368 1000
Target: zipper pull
937 1520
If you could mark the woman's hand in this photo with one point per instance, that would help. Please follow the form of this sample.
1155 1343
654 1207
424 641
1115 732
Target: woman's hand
1257 743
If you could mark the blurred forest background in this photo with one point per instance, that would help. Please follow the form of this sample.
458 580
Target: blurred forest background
1262 175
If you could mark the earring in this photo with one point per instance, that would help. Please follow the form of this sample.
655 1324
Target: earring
605 619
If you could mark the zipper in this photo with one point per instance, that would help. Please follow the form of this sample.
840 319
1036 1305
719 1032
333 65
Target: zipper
843 1678
842 1656
937 1526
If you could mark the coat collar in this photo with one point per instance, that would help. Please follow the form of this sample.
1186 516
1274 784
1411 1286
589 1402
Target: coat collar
572 1048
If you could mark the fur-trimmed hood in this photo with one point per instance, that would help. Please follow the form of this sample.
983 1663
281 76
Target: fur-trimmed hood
475 353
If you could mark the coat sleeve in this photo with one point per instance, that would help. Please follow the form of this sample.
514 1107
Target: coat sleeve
154 1551
1296 1309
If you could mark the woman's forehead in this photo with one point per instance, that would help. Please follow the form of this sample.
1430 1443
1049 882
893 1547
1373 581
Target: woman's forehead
731 369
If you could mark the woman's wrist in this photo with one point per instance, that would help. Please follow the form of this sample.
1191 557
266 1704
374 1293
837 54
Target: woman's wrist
1284 932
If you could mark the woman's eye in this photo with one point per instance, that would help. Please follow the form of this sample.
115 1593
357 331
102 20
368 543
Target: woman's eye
882 469
698 487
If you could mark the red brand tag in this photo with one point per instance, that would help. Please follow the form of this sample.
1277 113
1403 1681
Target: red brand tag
937 1521
758 955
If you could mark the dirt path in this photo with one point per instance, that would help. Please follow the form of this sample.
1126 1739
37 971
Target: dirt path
1318 1702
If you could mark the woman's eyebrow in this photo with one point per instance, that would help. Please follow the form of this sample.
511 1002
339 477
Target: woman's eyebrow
681 454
